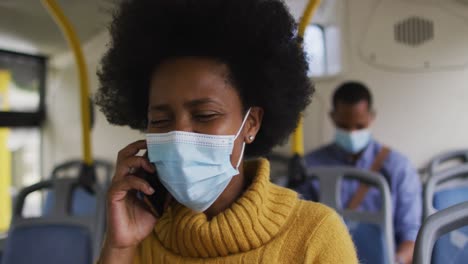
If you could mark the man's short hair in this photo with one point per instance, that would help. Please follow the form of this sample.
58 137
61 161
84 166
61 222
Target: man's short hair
352 93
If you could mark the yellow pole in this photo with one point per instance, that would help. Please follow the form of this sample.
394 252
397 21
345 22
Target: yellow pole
5 157
74 43
298 136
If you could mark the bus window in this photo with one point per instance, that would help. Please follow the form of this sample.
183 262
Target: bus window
322 47
21 113
314 46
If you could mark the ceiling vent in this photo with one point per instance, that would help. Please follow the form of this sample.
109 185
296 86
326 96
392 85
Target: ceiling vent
414 31
414 36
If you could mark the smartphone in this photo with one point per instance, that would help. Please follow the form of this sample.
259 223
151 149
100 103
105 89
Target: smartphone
154 202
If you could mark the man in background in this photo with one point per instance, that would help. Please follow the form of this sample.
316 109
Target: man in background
354 145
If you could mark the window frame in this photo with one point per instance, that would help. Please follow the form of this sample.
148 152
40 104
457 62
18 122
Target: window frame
327 74
324 62
28 119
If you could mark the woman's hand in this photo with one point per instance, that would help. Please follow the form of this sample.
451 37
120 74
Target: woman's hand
128 220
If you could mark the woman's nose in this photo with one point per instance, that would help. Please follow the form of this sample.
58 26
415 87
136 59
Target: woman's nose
183 124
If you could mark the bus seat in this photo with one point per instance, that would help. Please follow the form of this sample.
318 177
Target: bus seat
438 161
83 202
372 232
71 169
436 227
362 234
443 190
59 237
53 243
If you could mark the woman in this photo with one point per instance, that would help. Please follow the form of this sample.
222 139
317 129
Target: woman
208 80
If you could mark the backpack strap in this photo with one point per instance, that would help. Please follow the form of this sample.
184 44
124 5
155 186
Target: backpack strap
361 192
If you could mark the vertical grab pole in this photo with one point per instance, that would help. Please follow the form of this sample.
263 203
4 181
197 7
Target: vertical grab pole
5 155
298 136
74 43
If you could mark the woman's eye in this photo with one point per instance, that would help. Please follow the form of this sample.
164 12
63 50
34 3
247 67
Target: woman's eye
205 117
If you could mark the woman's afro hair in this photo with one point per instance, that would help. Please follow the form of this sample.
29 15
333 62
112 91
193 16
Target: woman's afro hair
256 39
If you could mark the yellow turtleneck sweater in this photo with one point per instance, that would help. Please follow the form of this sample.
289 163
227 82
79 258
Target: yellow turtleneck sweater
268 224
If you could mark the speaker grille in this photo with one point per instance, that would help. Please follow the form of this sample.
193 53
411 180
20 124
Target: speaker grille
414 31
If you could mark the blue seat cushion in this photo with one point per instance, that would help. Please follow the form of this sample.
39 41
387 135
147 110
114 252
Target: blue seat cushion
451 248
449 197
48 244
83 203
369 241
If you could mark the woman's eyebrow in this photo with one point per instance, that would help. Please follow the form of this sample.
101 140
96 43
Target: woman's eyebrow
189 104
202 101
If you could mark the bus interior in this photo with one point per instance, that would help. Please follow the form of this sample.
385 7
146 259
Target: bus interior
57 150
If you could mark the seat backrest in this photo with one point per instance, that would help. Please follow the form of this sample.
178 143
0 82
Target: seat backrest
83 202
372 231
59 237
436 225
74 166
443 190
438 161
446 188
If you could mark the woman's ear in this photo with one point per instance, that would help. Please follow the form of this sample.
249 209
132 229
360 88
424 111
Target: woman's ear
253 124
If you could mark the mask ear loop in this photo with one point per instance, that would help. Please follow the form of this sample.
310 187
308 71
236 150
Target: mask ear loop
243 123
243 143
241 156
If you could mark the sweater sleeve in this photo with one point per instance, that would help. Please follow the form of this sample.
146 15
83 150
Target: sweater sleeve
331 242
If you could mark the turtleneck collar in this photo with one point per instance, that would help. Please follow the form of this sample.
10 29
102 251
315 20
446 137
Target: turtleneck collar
252 221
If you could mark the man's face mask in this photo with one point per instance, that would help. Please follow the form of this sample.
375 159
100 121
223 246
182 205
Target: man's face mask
352 142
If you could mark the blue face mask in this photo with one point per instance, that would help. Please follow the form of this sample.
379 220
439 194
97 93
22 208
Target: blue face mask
352 142
195 168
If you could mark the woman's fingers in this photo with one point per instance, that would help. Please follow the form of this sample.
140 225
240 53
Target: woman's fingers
131 150
119 189
131 166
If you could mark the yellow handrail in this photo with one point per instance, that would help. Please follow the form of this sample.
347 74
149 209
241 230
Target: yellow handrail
298 136
5 155
74 43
